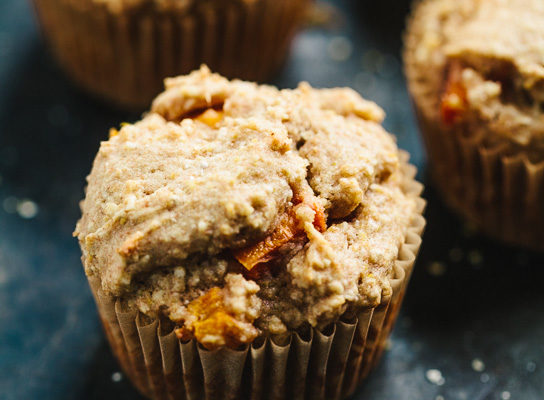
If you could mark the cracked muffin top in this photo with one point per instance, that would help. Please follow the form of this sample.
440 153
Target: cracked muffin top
482 63
237 210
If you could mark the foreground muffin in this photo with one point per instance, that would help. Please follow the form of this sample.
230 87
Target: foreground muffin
475 72
121 50
259 231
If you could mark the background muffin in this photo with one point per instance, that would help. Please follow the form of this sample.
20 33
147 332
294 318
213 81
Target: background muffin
262 228
121 50
475 72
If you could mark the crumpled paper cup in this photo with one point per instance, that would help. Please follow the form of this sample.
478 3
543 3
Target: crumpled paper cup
124 56
313 364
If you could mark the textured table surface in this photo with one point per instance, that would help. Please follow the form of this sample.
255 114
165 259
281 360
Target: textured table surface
473 322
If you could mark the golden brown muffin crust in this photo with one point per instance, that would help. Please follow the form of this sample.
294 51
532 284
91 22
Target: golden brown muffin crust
174 199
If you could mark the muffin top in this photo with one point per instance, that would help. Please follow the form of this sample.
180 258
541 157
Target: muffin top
236 209
475 61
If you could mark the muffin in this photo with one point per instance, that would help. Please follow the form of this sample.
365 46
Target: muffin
476 76
242 241
121 50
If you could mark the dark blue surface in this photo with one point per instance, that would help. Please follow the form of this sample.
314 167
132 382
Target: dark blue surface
474 311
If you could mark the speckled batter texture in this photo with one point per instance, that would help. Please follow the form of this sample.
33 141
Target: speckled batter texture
172 198
499 45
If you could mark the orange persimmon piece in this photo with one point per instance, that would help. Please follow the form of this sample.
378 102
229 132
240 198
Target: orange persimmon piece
212 320
287 230
210 117
454 98
320 220
261 252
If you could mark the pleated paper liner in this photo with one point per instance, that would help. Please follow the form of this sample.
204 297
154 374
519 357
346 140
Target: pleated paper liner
327 364
495 186
124 57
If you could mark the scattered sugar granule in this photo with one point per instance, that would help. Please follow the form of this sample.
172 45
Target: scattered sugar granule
27 209
435 377
478 365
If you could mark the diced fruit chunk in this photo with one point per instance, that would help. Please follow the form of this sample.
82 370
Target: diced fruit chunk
213 325
454 98
210 117
287 230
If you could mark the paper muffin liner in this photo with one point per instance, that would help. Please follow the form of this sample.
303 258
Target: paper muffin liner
494 186
124 57
316 364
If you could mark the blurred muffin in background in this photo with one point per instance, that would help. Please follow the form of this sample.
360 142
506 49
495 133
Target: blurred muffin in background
121 50
242 240
475 71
